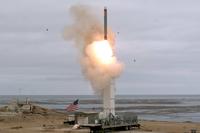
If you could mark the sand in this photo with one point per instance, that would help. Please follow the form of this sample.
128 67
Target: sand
54 124
41 120
169 127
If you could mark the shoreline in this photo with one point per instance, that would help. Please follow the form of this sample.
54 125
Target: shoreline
46 120
170 108
43 118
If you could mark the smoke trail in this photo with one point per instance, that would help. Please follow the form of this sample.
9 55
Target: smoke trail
84 31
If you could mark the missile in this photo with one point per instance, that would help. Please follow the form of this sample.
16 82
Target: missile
105 23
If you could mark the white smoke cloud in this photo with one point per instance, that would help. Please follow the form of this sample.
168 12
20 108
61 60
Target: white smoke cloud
84 30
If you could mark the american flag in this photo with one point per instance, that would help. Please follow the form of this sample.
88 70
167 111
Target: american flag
73 106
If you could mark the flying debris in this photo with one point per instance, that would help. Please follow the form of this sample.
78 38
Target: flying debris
47 29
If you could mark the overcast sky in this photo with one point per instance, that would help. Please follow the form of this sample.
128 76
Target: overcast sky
162 35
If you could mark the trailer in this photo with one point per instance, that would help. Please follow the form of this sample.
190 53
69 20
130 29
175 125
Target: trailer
112 123
96 128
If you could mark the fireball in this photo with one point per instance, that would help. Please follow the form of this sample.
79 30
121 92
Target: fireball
102 51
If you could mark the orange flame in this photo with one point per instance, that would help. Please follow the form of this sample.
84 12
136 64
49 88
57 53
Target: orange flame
102 51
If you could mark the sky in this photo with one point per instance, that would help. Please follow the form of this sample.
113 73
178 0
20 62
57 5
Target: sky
163 37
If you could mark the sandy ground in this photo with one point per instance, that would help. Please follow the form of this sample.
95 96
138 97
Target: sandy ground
169 127
54 124
42 120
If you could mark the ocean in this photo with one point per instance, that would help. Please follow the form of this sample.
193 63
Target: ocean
179 108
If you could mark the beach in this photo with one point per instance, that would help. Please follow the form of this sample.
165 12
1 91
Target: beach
178 108
162 114
54 123
42 120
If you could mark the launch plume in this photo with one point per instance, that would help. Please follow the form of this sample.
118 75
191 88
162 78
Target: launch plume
97 56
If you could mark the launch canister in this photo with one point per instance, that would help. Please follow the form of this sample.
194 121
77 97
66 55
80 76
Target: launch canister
105 23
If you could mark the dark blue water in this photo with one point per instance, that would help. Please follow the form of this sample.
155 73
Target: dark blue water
151 107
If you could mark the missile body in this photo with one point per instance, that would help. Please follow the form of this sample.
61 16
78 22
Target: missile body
105 23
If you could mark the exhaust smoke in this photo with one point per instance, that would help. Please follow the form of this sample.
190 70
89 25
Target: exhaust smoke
97 57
